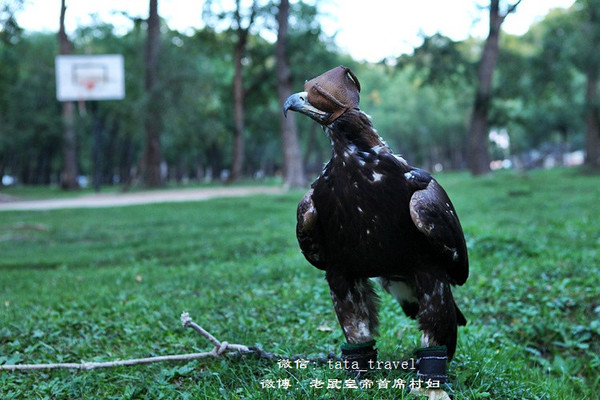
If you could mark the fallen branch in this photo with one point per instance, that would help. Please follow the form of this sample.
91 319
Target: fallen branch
218 351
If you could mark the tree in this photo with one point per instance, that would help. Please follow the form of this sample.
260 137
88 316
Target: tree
70 171
239 92
241 21
439 68
292 159
310 52
539 95
31 128
568 71
423 121
152 120
10 30
440 61
198 98
590 51
10 35
478 155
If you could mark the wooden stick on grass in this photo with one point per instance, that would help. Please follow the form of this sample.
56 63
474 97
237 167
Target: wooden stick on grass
219 349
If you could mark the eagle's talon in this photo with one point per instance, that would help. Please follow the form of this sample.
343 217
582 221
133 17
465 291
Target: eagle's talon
431 394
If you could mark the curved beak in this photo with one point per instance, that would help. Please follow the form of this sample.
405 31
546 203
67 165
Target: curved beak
299 102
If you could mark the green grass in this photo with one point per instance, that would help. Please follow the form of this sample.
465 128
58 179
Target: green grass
105 284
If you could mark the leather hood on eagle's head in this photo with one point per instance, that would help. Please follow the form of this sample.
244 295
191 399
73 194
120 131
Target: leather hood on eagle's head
334 91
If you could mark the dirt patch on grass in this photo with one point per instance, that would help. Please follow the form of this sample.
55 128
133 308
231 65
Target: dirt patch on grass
146 197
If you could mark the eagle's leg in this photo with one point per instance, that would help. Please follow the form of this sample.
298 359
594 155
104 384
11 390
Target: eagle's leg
437 318
355 303
437 314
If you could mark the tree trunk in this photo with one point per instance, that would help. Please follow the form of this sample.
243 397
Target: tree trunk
592 121
592 103
70 171
293 169
479 155
239 93
153 120
238 108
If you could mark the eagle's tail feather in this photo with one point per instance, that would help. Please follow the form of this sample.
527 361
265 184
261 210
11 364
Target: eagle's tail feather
460 318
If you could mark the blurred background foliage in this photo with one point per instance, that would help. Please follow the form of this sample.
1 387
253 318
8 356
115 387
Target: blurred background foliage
420 102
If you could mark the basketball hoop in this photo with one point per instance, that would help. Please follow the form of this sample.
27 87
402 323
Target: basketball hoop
93 77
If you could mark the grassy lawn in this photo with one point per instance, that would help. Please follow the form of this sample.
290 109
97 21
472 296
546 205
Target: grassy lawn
105 284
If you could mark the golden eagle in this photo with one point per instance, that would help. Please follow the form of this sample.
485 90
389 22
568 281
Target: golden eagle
371 215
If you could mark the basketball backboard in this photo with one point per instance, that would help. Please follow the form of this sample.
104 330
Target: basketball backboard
90 77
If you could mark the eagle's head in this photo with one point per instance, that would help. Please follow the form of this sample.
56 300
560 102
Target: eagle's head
332 99
327 96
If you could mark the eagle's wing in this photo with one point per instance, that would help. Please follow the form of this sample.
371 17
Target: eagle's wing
433 214
306 230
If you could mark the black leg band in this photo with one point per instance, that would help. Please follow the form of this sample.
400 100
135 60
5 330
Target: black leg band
357 356
431 363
